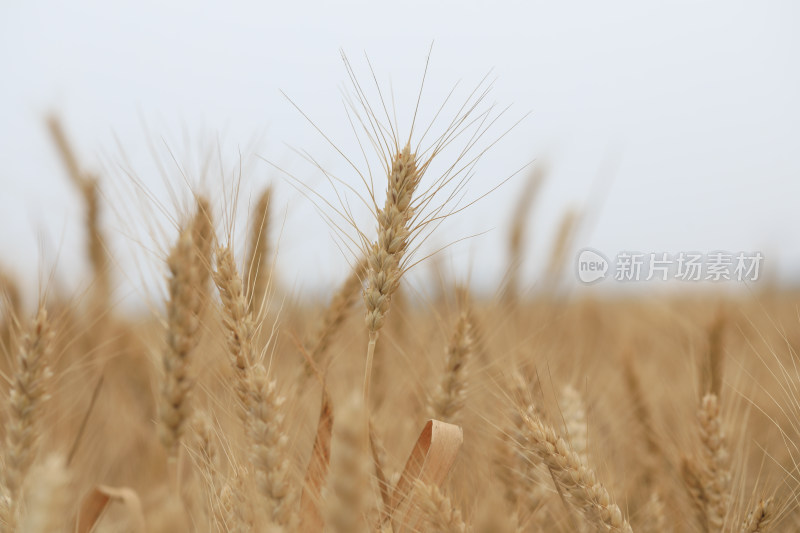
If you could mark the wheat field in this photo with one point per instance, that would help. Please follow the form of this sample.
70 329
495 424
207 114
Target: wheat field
232 406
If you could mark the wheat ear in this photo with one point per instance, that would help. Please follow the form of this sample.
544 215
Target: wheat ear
269 443
235 512
523 478
517 235
183 307
237 321
579 481
438 510
640 407
565 235
691 474
448 400
715 473
573 409
347 493
759 520
29 392
655 517
262 406
386 254
205 452
88 186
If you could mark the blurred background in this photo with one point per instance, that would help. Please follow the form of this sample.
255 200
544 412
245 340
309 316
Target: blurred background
668 127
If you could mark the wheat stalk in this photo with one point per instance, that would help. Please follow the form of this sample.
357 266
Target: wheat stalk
257 267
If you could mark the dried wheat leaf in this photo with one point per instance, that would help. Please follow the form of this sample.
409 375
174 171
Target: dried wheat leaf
430 461
97 501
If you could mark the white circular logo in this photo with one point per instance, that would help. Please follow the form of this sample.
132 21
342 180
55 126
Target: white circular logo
592 266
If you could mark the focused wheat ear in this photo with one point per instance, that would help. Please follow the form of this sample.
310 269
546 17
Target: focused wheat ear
409 210
387 252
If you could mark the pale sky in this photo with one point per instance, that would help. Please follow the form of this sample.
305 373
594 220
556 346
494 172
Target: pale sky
676 125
